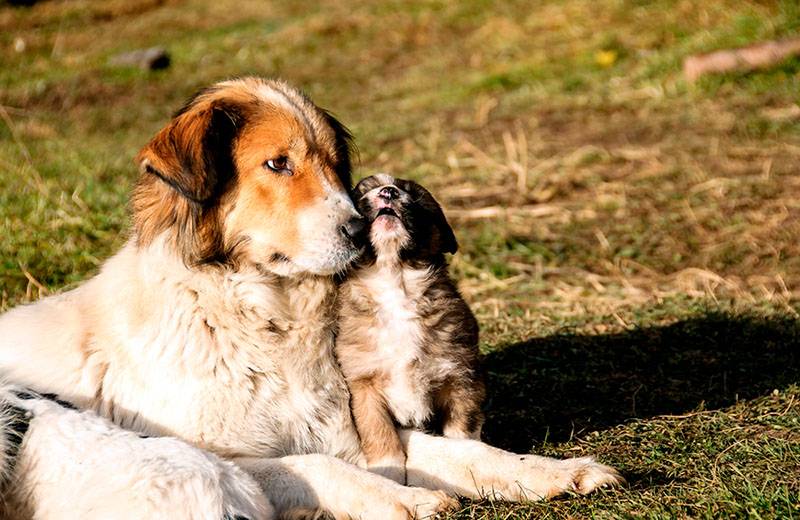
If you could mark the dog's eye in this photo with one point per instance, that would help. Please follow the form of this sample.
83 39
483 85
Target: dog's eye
279 165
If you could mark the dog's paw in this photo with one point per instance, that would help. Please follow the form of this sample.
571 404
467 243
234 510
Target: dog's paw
403 503
530 477
424 503
585 475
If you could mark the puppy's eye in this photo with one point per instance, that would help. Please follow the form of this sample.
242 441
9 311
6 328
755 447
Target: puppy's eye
279 165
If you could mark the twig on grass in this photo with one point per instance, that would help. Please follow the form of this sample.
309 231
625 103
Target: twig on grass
753 57
32 282
534 210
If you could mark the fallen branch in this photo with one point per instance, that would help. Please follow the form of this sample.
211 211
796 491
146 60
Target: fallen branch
499 211
753 57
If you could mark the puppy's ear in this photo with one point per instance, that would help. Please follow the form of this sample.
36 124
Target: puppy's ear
366 184
444 241
447 239
183 171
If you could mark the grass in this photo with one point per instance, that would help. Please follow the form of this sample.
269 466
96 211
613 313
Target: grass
629 241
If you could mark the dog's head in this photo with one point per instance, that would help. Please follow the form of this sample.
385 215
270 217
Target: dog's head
404 220
250 170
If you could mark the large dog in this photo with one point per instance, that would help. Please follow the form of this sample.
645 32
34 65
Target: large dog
215 323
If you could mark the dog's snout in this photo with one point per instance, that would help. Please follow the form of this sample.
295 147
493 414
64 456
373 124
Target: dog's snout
354 229
389 193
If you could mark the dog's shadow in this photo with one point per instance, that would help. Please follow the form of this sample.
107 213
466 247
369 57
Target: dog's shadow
558 386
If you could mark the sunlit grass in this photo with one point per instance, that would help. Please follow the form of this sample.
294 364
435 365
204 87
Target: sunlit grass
606 209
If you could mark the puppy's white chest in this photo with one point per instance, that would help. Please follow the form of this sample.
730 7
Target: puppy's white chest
398 331
398 349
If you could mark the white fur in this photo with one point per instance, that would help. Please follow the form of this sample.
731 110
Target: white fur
76 465
471 468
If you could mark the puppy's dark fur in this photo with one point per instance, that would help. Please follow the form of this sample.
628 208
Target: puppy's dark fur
407 341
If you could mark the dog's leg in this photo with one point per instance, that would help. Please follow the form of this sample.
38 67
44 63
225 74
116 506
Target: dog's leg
474 469
379 438
68 465
304 484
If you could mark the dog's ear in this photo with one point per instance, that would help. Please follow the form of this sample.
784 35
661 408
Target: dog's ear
193 153
444 240
345 148
183 171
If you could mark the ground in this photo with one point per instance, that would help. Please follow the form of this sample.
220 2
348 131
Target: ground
629 242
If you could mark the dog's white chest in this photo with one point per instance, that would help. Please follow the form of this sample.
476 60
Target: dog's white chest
232 367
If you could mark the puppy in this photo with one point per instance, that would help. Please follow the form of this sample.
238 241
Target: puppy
408 342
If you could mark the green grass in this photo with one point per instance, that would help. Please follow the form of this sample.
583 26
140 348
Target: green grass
637 279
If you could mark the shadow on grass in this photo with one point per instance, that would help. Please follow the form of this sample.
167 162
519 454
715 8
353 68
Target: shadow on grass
549 388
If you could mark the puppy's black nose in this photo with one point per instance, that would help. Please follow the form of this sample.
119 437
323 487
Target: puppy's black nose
354 230
388 193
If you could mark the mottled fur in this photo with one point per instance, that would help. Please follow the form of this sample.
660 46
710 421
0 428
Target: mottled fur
215 324
408 342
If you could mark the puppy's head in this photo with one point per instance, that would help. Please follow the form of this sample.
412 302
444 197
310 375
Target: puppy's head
404 220
250 171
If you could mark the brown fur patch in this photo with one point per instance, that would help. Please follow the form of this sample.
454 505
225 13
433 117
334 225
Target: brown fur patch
379 438
203 179
185 169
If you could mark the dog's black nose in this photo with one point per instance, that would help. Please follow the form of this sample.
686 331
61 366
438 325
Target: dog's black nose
354 230
389 193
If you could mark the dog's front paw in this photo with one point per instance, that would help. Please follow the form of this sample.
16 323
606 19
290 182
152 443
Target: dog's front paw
583 475
530 477
545 478
402 503
424 503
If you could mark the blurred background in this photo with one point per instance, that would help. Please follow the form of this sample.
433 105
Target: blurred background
629 233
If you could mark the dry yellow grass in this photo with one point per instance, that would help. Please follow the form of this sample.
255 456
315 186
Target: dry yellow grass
629 241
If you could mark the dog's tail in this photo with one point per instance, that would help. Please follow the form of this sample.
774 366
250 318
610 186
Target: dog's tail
14 423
